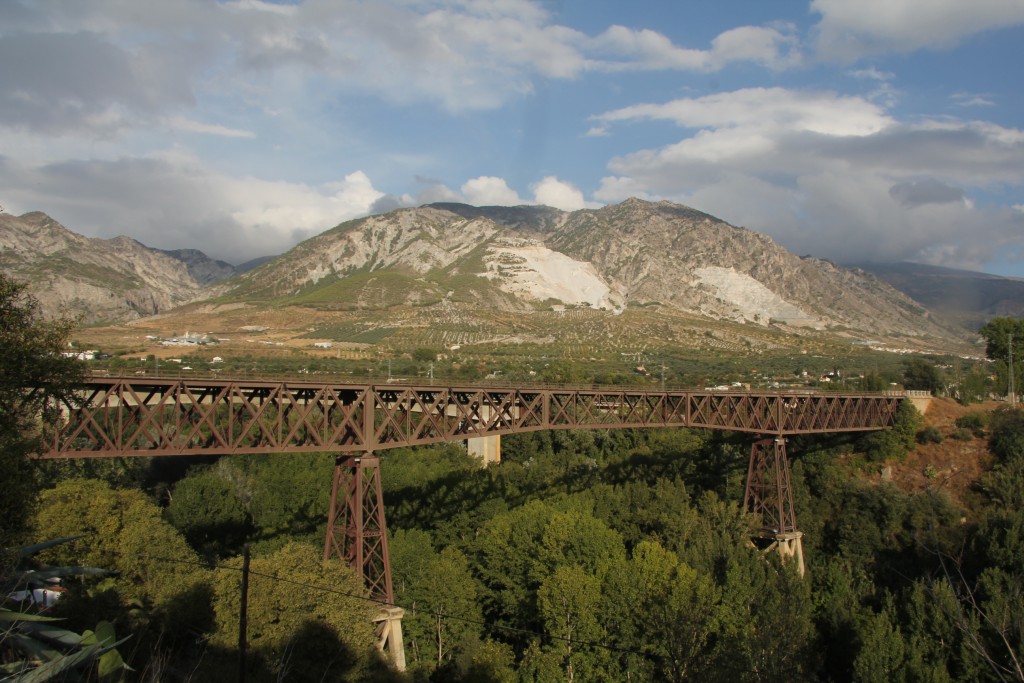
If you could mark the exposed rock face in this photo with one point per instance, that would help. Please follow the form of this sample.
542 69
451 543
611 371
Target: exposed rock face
634 253
514 259
529 269
203 269
99 280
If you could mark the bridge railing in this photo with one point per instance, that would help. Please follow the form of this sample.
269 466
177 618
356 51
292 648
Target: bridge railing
168 416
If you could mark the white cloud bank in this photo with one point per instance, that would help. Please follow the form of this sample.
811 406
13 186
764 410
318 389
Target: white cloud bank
176 203
831 175
851 30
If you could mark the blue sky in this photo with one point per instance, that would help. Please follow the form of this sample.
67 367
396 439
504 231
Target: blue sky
853 130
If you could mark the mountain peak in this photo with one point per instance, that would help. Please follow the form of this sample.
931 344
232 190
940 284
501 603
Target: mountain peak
98 279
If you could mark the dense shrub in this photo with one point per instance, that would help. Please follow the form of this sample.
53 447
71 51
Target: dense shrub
1007 433
929 434
976 421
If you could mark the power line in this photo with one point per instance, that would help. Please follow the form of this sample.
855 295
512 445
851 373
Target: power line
412 610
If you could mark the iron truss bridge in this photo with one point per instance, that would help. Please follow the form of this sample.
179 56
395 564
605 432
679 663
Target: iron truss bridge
173 416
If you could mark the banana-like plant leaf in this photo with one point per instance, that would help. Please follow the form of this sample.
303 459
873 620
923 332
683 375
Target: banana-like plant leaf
36 650
15 668
29 550
55 668
10 615
50 633
61 572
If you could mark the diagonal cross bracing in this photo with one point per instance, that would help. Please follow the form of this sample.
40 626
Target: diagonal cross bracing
155 416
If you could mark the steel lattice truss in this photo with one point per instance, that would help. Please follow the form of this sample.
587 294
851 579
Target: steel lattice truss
356 530
152 416
769 493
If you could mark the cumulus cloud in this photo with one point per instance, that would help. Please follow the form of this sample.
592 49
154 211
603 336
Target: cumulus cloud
831 175
489 191
92 59
493 191
560 194
849 31
176 203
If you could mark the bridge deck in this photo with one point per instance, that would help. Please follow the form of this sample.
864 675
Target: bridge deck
172 416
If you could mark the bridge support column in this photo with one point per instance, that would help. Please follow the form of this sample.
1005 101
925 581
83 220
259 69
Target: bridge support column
770 495
357 534
486 448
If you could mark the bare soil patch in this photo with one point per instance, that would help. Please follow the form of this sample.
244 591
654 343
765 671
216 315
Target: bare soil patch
954 465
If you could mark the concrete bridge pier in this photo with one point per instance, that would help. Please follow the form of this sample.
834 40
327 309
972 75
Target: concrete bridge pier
770 495
485 448
357 534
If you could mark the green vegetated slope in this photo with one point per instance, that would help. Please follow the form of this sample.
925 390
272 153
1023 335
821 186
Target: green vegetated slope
586 555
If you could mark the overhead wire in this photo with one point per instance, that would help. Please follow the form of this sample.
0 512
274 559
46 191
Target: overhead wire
412 610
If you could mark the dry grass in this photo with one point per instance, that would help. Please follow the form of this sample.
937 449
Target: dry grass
954 465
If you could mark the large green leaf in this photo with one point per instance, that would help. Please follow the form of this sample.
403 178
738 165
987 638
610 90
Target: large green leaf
10 615
55 668
50 633
36 650
29 550
60 572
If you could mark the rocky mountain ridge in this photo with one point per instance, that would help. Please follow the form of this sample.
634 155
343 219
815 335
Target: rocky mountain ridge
457 262
968 297
98 280
634 254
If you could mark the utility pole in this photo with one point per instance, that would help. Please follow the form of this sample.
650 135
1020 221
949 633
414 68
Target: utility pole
1011 389
430 373
243 620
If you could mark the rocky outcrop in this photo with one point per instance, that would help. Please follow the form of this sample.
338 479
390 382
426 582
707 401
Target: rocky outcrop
636 253
641 254
95 280
203 269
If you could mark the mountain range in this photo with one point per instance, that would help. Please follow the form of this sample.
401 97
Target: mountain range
636 264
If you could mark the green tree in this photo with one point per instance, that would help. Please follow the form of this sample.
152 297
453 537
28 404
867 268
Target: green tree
998 333
160 592
34 378
492 662
290 495
874 382
123 531
653 603
766 622
568 602
443 597
895 442
1006 439
307 619
882 649
424 355
205 507
919 374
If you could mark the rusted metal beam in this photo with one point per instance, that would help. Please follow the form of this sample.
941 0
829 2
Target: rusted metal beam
173 416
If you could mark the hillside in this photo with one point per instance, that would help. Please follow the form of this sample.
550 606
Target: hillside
99 280
968 297
620 279
620 270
